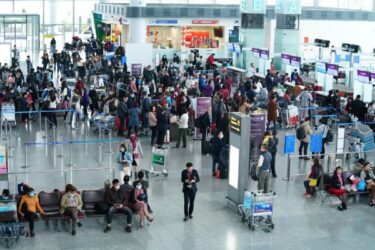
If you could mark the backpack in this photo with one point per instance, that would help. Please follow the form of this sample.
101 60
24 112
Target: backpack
329 136
271 145
254 174
301 134
198 122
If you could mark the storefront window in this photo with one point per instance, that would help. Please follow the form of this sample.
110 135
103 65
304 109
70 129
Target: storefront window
164 37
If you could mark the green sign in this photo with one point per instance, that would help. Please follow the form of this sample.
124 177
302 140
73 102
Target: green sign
158 159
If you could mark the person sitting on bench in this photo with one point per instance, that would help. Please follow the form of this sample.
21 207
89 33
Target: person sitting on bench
71 205
369 177
118 202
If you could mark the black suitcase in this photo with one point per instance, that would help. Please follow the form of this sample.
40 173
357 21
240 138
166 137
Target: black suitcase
206 147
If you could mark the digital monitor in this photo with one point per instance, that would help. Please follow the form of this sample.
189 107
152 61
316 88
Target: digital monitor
252 21
321 67
234 165
295 61
265 54
230 47
255 52
285 59
333 69
345 47
363 76
237 48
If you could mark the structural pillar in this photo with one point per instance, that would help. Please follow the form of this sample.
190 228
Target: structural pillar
287 33
252 32
137 24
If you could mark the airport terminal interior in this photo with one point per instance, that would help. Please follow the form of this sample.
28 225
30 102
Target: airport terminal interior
187 124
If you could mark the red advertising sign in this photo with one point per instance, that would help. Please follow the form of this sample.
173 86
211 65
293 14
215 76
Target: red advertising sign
205 21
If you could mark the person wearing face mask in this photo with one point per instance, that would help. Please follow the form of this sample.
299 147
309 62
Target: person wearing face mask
217 145
189 178
5 196
140 199
28 207
71 204
125 160
118 202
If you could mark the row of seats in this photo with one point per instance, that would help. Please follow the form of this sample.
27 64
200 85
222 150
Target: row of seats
327 183
50 202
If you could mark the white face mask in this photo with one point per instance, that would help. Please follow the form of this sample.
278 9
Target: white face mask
139 187
221 136
117 187
122 150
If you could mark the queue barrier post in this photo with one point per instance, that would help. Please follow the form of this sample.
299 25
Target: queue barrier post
100 144
61 154
54 145
287 178
40 119
26 158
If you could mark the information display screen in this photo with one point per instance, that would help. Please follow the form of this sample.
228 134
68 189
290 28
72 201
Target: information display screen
285 59
295 61
252 21
234 164
235 124
255 52
333 69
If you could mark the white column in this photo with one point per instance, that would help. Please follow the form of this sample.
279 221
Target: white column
137 26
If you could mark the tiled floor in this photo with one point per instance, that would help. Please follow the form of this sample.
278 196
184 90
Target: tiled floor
299 223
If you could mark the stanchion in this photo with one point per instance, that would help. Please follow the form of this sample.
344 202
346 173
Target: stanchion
287 178
10 147
54 145
26 158
1 126
110 142
61 154
100 144
65 178
86 136
40 120
329 163
46 134
70 164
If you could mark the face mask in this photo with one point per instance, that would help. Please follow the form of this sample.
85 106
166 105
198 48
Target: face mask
5 197
122 150
139 187
117 187
221 136
31 194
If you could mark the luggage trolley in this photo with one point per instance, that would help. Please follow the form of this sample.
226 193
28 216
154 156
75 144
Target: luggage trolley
158 159
10 229
257 210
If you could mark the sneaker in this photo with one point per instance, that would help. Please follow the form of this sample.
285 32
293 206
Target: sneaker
186 218
190 217
32 235
79 224
340 208
73 232
128 229
107 229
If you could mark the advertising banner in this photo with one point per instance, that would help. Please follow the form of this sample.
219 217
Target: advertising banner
136 69
316 143
289 144
202 104
3 159
256 52
264 54
257 130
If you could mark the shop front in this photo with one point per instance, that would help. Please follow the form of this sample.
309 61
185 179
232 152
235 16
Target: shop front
115 30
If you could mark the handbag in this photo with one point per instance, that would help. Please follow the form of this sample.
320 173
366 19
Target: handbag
361 186
313 182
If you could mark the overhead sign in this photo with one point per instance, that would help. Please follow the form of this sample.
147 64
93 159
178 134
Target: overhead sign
166 21
253 6
205 21
235 124
288 7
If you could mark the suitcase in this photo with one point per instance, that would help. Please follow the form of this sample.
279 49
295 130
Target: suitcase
206 147
117 122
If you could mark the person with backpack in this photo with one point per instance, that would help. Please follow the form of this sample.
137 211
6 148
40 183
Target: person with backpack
264 165
217 145
271 141
303 135
323 129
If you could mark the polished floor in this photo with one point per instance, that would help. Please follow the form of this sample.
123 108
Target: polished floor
299 223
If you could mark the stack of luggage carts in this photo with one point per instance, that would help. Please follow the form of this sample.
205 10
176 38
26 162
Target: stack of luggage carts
365 134
103 122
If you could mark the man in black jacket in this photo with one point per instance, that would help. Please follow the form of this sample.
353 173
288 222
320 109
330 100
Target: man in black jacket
217 145
122 113
189 178
358 108
205 124
118 202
